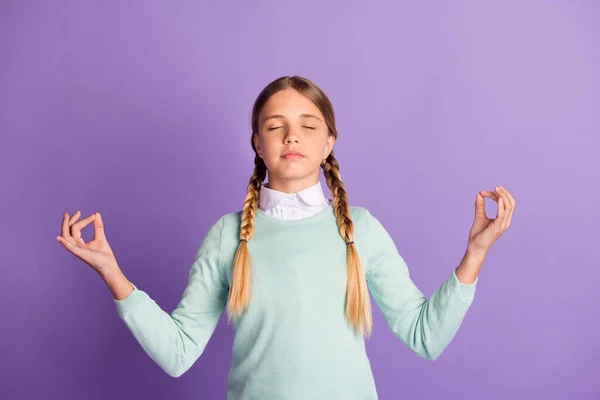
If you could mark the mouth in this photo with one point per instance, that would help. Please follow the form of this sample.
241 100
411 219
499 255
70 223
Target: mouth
292 154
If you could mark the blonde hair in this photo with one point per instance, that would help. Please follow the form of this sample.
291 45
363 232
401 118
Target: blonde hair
358 306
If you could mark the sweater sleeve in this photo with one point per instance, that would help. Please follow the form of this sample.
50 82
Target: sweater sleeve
175 341
425 326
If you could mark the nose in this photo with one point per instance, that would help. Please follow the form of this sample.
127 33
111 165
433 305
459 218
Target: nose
291 136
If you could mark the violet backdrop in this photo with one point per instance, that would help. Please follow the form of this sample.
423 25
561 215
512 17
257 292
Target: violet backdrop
141 110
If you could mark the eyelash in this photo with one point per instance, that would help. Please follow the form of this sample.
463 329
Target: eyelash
277 127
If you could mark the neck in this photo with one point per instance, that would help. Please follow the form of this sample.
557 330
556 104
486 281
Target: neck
291 185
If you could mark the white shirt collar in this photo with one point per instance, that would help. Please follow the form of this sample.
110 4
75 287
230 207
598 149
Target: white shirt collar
312 196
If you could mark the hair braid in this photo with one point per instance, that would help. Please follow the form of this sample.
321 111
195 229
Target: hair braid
239 292
358 305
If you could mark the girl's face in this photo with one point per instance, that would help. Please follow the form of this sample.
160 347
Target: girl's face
289 121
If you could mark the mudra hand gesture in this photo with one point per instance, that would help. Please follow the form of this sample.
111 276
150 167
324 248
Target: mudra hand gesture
486 231
96 253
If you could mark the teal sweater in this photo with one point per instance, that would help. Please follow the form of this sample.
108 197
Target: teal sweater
293 342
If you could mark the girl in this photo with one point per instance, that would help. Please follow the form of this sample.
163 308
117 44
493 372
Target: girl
293 270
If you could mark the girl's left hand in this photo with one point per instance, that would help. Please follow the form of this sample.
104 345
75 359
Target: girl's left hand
486 231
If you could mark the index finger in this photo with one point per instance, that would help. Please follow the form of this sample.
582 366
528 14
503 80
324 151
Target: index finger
79 225
492 195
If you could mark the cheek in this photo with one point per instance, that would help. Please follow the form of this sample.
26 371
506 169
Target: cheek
270 148
319 148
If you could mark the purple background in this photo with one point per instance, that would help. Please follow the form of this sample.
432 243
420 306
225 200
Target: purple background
141 111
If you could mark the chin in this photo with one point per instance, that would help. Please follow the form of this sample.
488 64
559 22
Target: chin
289 173
290 176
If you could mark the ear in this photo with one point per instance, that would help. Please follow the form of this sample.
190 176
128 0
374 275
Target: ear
257 144
328 146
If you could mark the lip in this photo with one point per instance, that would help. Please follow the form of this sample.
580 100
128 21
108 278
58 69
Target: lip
292 154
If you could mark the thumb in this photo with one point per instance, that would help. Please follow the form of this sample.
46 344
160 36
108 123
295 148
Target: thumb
479 206
99 228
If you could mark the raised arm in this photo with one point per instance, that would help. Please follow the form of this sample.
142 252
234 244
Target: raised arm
425 326
176 340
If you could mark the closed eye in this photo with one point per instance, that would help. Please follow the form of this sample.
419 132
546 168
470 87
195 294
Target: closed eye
277 127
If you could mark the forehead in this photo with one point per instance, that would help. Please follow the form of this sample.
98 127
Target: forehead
288 103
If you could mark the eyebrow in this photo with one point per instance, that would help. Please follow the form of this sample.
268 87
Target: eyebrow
283 116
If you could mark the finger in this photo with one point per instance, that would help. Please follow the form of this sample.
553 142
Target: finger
77 227
499 211
513 203
99 228
479 207
74 217
66 234
479 203
77 236
492 195
72 221
510 213
502 209
70 246
507 206
510 197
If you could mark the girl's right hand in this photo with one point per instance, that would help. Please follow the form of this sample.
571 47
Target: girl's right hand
96 253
